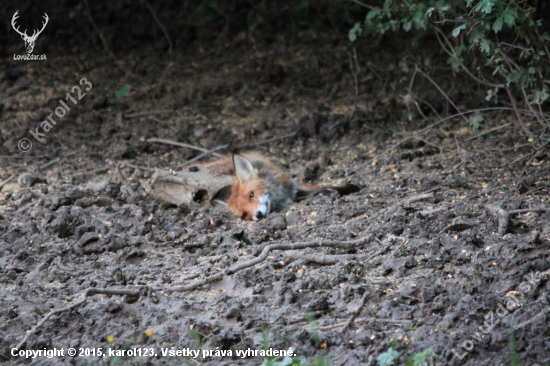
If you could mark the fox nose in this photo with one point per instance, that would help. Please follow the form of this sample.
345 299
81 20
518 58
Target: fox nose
259 215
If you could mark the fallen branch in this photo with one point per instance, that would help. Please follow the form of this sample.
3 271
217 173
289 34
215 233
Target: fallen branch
6 181
315 258
88 292
362 320
263 256
418 197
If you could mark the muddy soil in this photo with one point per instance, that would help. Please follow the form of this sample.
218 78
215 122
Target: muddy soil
455 223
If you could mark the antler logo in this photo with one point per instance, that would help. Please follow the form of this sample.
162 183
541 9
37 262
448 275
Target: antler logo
29 41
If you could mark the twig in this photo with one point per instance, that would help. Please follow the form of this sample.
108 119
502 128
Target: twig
530 107
200 156
362 320
462 160
104 41
440 90
529 154
88 292
356 312
97 170
453 54
181 144
355 71
418 197
524 210
153 13
44 166
518 115
489 131
360 3
147 113
6 181
263 256
319 259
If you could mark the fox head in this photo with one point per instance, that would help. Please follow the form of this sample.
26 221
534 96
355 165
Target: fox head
249 199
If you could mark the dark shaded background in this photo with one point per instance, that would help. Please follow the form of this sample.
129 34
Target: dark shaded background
127 25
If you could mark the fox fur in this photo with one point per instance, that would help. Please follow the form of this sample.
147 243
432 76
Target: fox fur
262 185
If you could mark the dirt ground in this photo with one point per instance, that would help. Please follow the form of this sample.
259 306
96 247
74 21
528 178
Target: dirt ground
455 224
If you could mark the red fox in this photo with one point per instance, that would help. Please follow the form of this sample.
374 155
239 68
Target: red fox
261 185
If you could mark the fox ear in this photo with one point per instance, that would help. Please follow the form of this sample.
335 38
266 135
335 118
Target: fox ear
243 168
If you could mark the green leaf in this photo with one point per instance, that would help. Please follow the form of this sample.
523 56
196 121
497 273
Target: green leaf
485 46
455 64
486 6
430 11
509 16
475 120
122 92
457 30
354 31
513 77
420 358
387 358
492 94
497 25
373 13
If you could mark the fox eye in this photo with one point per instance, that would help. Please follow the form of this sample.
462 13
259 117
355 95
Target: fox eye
243 216
252 195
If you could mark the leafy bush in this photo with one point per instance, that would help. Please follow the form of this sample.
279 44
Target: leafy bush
497 43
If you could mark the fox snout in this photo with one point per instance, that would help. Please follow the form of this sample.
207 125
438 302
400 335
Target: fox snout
246 206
